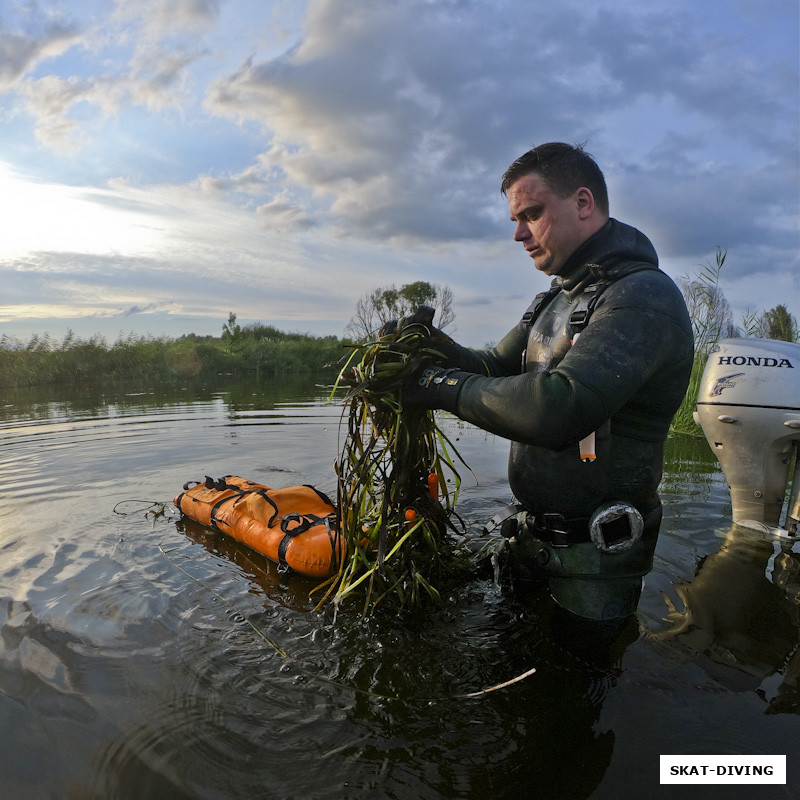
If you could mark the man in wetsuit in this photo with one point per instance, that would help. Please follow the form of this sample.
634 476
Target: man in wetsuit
584 386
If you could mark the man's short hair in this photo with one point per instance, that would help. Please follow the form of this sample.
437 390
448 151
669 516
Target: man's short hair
564 168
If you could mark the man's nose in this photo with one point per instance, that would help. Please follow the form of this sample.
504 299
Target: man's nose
522 232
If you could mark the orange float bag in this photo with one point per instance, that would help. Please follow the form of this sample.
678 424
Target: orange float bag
296 526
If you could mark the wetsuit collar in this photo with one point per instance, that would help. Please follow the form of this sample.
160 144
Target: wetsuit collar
607 254
576 269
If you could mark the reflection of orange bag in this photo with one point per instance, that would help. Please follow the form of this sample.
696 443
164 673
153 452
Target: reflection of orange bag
296 526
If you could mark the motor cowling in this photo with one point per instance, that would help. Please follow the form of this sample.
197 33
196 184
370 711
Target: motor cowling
748 406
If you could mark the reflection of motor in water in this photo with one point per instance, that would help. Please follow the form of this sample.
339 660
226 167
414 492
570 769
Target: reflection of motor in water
740 620
742 607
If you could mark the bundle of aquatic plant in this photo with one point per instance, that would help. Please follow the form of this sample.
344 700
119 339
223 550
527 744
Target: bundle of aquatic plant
397 483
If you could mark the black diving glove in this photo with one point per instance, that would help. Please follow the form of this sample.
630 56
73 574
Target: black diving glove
422 316
450 352
434 387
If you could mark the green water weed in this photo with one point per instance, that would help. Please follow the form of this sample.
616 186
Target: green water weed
396 477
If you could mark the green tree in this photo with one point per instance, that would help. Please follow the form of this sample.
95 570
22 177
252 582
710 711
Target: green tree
383 304
231 330
779 323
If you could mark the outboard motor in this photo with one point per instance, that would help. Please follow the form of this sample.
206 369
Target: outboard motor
749 408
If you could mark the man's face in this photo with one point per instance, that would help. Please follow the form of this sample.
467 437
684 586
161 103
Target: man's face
550 227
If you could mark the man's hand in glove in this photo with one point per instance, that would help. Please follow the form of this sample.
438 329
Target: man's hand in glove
422 316
434 387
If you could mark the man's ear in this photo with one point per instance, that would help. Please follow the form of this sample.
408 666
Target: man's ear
585 202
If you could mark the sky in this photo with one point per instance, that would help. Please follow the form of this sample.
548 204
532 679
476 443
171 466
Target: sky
166 162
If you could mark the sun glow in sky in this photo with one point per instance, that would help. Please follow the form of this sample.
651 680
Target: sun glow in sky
60 218
165 162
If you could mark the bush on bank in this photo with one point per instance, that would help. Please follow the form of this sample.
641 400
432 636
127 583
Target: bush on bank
259 352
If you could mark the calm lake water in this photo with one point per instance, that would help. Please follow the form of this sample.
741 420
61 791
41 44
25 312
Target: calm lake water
138 654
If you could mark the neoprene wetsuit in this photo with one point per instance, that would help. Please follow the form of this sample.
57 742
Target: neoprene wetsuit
624 378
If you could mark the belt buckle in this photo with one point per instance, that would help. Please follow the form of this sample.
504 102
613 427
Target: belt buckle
555 526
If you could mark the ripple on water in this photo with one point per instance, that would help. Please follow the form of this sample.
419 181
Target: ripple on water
141 658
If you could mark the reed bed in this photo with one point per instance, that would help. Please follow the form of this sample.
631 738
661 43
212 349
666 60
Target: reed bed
683 421
397 478
73 361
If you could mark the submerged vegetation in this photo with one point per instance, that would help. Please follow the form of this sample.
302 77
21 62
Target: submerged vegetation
258 350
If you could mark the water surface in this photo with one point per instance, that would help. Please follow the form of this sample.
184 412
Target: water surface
141 657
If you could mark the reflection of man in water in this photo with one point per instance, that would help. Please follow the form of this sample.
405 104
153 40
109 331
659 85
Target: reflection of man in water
739 625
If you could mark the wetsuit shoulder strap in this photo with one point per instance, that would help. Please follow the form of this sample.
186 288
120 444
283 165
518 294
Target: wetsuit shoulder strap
538 305
579 318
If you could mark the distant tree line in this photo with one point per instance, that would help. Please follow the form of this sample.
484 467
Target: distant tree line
264 351
253 350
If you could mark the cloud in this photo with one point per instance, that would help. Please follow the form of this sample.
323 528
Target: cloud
399 118
145 50
278 146
149 308
20 52
356 121
282 215
691 202
159 18
155 82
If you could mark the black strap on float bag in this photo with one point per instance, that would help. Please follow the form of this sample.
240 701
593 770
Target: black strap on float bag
304 522
293 524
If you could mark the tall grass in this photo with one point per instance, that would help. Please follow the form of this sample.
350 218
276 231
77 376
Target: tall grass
260 352
683 422
709 313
